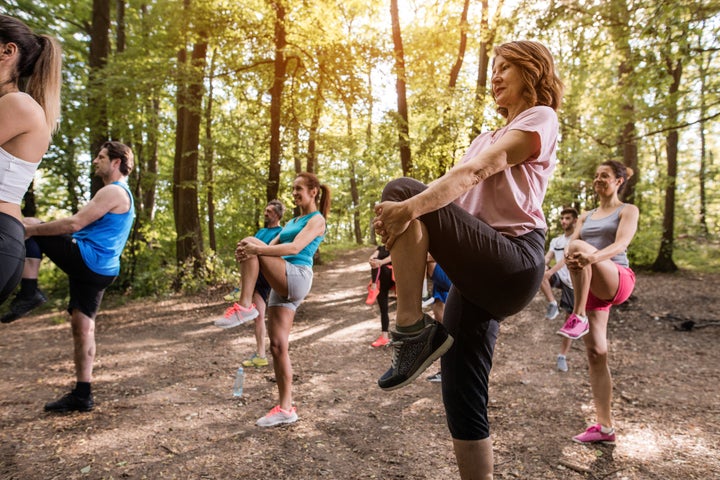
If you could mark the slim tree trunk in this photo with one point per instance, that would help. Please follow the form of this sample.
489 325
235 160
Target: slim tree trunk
210 160
664 261
99 52
315 121
400 88
487 39
189 244
276 92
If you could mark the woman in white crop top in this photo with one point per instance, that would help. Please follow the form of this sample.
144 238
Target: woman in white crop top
28 117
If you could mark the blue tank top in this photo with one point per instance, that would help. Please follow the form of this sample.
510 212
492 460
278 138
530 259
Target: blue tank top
288 234
602 232
267 235
101 243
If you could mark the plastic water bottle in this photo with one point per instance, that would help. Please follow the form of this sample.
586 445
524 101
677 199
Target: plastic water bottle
239 380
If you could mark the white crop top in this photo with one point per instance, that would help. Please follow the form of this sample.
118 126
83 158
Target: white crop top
15 177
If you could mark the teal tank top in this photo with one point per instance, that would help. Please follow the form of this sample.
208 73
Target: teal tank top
101 243
288 234
267 235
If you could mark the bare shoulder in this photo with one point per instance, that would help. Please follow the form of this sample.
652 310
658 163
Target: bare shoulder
22 105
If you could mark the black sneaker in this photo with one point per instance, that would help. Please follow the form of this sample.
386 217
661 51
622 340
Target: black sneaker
437 378
71 403
22 305
412 354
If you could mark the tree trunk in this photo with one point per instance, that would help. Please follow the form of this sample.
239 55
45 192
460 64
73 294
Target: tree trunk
315 121
400 88
487 39
276 92
455 70
664 261
189 245
209 160
97 101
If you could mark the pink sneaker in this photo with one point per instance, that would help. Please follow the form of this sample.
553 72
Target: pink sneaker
574 327
380 342
236 315
594 434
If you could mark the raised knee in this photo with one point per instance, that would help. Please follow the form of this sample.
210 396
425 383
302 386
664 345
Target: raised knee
401 189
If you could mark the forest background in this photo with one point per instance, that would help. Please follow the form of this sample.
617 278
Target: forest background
224 101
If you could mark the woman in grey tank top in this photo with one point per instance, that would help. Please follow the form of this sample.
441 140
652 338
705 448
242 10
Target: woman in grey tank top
598 264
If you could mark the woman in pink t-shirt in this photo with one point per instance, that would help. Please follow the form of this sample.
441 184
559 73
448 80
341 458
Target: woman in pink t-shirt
483 223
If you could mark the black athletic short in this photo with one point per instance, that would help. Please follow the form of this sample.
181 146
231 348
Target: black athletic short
567 294
86 287
493 277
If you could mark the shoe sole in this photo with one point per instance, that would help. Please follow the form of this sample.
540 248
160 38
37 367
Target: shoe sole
281 422
563 334
439 352
603 442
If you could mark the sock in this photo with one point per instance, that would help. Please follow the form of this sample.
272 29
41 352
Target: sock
584 318
28 286
425 288
554 302
415 327
560 355
606 430
82 389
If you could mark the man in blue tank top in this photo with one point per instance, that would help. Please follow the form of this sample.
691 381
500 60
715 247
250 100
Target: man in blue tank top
87 247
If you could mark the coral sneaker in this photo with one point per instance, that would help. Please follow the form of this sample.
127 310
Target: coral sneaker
380 342
278 416
594 434
575 327
237 315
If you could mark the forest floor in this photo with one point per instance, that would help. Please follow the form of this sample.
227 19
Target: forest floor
164 408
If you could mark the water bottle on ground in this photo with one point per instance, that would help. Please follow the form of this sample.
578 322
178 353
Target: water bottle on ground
238 385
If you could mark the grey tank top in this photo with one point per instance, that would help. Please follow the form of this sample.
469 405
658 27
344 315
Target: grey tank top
601 233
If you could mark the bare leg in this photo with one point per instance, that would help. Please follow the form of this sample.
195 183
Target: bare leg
280 320
474 458
409 256
438 309
259 324
600 378
83 330
565 346
546 290
31 268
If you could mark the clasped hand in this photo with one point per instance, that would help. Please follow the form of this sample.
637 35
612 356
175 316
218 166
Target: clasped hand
391 220
244 250
577 260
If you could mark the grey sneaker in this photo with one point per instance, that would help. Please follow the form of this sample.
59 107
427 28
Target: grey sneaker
562 363
552 311
437 378
412 354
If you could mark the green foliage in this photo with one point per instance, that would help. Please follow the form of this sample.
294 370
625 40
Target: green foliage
609 54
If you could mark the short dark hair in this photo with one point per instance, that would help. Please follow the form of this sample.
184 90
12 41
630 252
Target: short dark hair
123 152
569 210
278 206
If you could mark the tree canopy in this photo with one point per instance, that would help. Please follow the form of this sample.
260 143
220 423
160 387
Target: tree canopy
223 102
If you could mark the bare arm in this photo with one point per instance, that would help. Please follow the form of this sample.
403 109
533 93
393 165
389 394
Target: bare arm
624 235
314 228
516 146
110 198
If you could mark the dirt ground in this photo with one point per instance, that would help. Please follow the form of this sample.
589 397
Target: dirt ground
164 374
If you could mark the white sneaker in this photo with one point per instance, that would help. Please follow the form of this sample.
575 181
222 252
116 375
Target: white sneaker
427 301
237 315
278 416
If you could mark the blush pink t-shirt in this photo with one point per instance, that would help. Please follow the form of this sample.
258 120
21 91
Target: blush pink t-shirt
511 201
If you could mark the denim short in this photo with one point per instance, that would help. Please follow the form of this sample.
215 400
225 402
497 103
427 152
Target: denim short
299 279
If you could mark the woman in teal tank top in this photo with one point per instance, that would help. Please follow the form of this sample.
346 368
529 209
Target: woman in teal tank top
601 277
286 263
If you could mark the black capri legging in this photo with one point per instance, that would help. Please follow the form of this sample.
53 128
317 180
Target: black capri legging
493 277
12 254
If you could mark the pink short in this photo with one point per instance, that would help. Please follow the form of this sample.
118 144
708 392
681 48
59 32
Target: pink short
626 285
